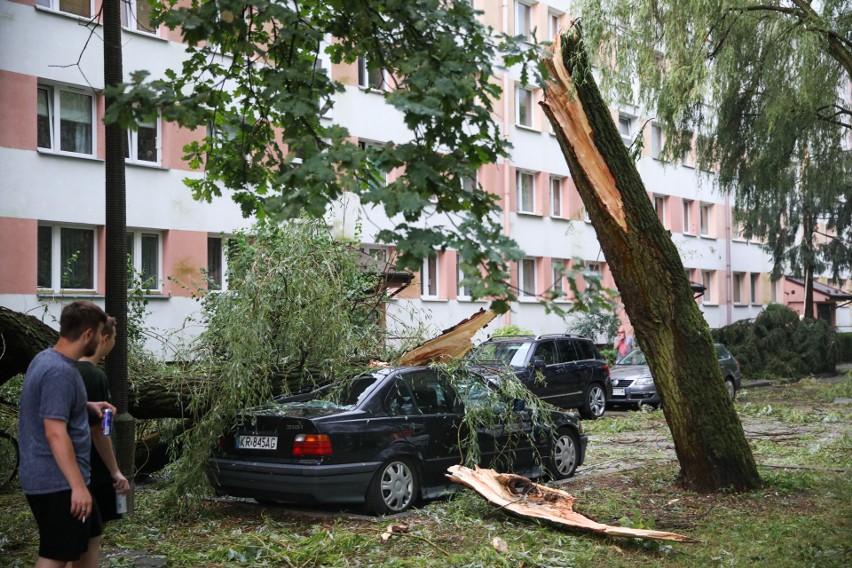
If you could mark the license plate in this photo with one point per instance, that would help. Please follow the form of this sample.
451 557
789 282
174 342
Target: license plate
257 442
617 392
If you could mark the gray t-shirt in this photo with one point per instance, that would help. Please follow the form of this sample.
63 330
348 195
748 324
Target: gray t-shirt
52 389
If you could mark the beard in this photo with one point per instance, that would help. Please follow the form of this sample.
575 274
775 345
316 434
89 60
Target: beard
92 345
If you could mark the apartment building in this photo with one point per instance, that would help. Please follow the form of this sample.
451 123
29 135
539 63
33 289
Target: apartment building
52 196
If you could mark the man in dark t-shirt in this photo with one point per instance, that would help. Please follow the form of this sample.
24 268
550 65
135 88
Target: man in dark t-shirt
107 479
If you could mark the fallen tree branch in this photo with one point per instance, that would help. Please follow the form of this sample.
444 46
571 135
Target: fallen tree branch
522 497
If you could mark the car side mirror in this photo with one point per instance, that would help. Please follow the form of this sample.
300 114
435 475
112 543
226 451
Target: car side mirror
538 363
519 405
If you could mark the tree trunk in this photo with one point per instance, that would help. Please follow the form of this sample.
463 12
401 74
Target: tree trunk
708 436
22 337
115 140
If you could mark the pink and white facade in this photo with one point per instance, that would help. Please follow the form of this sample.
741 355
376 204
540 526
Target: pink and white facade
52 184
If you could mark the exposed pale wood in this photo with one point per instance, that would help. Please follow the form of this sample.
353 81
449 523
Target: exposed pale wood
453 342
521 496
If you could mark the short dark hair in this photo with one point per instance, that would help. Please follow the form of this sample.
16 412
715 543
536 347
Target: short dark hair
79 316
109 327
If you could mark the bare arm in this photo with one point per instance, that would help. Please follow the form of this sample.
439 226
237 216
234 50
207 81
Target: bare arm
63 452
103 445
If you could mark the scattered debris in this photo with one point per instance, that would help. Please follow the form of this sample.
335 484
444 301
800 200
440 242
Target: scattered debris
520 496
500 545
394 529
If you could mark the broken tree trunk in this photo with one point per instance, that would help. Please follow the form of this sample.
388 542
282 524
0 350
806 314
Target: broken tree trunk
22 337
519 495
453 343
709 440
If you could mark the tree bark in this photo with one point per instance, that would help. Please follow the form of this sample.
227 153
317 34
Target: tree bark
709 440
21 338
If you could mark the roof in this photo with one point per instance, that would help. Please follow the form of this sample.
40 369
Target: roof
831 292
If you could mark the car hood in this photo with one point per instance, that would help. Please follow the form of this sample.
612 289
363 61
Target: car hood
629 371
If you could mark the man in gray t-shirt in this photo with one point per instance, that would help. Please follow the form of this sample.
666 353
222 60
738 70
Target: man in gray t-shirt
54 440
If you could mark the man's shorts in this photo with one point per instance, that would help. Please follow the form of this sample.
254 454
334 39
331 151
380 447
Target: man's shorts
105 497
61 536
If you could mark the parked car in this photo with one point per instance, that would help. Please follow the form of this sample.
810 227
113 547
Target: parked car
633 384
564 370
384 439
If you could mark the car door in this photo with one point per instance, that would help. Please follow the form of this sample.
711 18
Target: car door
571 376
584 369
547 381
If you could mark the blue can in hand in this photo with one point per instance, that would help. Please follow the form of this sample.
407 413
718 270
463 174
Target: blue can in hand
107 422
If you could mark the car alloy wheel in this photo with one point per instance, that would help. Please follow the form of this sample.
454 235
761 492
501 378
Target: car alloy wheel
595 402
732 390
393 488
566 453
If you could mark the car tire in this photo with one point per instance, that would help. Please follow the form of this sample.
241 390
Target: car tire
594 402
394 488
565 454
731 388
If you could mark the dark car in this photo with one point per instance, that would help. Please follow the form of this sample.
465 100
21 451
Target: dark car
385 439
633 384
564 370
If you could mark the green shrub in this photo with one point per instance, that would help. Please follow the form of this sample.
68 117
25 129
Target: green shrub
512 330
779 344
844 347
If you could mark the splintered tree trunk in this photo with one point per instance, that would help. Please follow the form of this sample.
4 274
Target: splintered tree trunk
708 436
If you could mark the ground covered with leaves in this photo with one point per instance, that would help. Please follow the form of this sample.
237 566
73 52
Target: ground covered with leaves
802 516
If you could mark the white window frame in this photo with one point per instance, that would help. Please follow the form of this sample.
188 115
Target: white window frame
130 18
660 208
57 266
557 271
133 144
707 277
527 269
754 286
556 195
552 25
223 260
656 141
737 283
523 20
461 290
364 76
687 216
365 144
519 175
429 274
705 216
136 255
54 113
54 6
530 123
625 128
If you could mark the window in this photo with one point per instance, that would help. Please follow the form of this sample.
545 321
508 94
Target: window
526 277
526 192
773 292
143 144
522 20
705 218
215 263
656 141
523 107
369 77
77 7
687 216
470 183
755 281
558 272
739 279
378 174
555 197
65 120
66 258
429 276
143 249
625 128
136 15
660 202
552 26
707 282
461 290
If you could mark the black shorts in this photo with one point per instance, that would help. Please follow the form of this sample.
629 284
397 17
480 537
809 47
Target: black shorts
61 536
105 497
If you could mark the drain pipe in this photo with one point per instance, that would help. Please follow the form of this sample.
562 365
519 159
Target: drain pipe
729 301
507 178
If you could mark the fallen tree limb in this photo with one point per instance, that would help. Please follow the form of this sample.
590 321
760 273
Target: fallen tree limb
520 496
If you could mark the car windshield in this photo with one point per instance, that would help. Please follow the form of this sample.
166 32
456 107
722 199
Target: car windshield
350 392
635 357
512 353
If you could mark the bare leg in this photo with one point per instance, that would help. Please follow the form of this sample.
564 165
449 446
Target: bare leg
48 563
90 557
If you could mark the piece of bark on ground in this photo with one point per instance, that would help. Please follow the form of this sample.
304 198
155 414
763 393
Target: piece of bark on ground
520 496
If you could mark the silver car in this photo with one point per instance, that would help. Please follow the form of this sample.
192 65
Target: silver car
633 384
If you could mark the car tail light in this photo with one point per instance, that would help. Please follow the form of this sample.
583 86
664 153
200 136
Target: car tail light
606 370
311 445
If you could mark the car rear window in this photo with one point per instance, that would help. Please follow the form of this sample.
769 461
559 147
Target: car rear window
585 350
512 353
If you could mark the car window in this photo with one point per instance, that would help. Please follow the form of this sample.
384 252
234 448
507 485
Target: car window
351 392
400 400
722 352
567 353
512 353
432 392
635 357
547 351
585 350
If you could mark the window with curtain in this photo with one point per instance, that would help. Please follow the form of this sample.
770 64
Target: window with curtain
526 192
526 278
68 114
65 258
143 250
